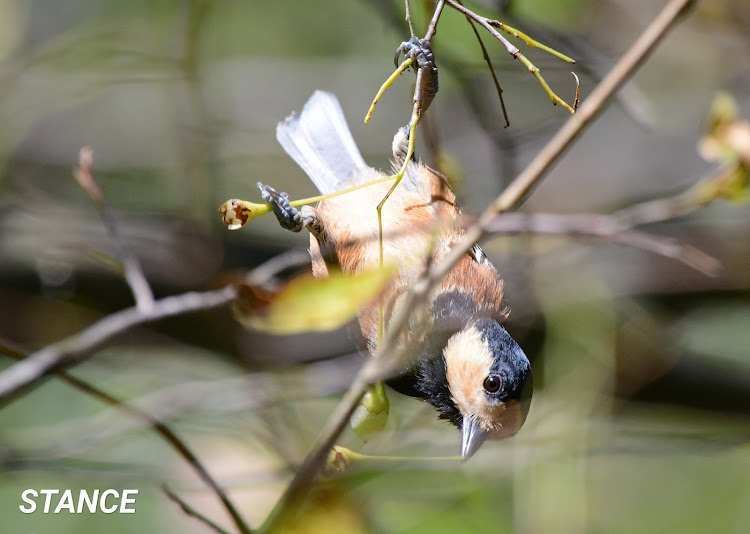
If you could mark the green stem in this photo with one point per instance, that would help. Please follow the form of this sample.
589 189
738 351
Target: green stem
529 41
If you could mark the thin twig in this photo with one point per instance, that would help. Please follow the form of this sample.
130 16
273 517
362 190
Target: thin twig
590 108
77 347
487 60
386 84
419 105
144 297
672 207
577 99
189 510
158 426
606 227
256 392
490 25
377 367
408 18
528 40
432 28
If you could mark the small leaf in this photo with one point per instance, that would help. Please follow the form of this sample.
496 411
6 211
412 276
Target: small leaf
308 304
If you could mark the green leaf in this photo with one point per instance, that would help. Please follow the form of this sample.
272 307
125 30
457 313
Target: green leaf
371 416
308 304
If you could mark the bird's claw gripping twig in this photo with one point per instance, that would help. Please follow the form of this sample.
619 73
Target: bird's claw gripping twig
288 216
420 50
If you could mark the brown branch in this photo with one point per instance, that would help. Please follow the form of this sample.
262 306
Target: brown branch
378 367
78 347
253 392
487 60
158 426
189 510
605 227
432 28
407 17
144 297
490 25
485 23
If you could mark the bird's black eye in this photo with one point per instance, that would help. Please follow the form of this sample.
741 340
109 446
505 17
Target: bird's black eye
492 383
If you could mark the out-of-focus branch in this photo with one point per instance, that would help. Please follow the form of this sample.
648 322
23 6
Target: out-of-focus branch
387 357
606 227
230 396
726 181
155 423
78 347
192 512
144 297
488 61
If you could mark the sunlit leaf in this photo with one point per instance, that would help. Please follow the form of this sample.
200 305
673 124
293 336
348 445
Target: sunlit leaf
308 304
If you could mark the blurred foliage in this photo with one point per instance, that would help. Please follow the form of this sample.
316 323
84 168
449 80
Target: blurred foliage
641 416
307 304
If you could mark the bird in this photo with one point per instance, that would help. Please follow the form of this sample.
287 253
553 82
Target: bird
463 361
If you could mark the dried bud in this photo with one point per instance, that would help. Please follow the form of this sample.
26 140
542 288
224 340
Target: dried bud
236 213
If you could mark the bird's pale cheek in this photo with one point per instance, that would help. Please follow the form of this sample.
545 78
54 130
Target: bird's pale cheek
468 361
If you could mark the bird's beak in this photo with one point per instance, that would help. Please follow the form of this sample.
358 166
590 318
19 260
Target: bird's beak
472 437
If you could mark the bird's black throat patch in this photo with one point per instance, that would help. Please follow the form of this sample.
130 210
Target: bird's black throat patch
450 313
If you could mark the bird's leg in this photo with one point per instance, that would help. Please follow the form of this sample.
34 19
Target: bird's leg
288 216
295 220
417 51
420 50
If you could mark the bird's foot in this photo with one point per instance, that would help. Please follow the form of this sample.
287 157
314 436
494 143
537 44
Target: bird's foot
418 49
288 216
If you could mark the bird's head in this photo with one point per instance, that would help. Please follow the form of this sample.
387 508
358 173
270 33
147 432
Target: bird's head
474 373
490 381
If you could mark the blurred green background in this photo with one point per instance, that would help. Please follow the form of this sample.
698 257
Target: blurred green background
641 415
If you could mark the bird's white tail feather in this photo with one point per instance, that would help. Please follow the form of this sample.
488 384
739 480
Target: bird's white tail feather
319 140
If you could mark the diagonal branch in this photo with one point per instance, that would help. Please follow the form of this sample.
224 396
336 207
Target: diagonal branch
144 297
490 26
487 60
158 426
609 228
189 510
378 367
78 347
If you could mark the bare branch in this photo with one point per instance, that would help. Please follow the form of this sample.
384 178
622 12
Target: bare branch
156 424
144 297
487 60
432 28
490 26
379 366
77 347
605 227
253 392
189 510
408 18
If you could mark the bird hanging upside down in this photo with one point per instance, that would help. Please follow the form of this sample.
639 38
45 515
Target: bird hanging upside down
464 362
